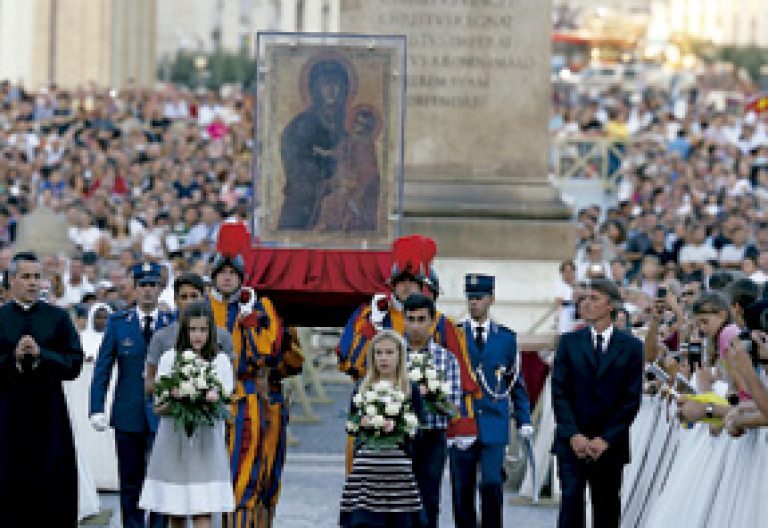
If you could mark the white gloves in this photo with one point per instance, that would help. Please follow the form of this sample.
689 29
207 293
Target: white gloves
527 431
99 422
379 310
462 442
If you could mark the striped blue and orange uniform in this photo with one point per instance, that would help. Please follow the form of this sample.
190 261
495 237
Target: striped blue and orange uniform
259 416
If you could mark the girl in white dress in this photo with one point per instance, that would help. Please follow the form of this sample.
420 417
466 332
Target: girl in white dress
189 476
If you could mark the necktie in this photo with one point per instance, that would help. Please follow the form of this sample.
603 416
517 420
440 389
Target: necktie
147 328
479 341
599 348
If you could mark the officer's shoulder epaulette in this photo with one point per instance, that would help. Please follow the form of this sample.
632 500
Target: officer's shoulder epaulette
505 329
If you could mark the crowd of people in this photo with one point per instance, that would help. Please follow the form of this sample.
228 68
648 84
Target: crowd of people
146 179
141 175
687 246
172 473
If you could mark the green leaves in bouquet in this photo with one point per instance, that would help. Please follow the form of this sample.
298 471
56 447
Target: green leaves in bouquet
192 394
381 417
440 406
432 383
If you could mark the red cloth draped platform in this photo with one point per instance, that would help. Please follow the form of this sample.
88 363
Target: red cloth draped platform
317 287
322 287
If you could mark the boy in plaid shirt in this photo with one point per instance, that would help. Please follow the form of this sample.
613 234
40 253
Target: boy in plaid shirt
430 447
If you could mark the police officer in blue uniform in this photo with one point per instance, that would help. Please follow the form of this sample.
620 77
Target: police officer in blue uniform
125 342
496 362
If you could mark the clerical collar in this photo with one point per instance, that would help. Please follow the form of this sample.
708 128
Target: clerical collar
153 314
24 306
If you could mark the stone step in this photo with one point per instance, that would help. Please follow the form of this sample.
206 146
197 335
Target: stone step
486 199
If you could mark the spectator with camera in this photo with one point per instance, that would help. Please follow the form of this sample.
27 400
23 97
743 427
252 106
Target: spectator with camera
715 318
746 360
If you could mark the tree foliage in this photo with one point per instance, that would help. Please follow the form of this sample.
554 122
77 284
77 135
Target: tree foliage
221 68
750 58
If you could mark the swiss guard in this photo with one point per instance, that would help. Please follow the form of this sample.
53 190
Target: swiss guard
266 352
412 272
496 363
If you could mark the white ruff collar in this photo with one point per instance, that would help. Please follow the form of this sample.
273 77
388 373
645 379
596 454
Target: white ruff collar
218 296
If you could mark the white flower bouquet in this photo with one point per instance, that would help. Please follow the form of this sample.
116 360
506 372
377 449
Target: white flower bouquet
381 417
192 393
432 384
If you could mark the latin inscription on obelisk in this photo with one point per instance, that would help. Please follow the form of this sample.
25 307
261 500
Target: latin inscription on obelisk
477 78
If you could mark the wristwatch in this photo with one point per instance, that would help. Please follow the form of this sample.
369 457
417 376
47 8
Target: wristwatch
710 411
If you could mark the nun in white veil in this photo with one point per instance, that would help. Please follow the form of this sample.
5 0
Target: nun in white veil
76 392
98 448
96 323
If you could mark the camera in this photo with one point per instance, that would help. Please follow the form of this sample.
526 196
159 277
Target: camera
661 292
756 316
683 386
746 338
694 355
654 372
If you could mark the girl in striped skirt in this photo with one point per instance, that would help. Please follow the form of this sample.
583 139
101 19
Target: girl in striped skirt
381 490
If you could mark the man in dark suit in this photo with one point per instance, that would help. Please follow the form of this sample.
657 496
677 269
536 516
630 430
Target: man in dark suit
597 382
126 338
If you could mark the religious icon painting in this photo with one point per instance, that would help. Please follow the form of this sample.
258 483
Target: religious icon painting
328 160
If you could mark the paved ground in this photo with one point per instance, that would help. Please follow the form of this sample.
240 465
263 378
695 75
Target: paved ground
314 476
312 486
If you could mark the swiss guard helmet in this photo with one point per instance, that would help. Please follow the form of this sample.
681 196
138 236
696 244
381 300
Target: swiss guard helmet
232 242
411 258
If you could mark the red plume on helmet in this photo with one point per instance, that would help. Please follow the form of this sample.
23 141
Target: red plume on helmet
234 239
231 246
412 255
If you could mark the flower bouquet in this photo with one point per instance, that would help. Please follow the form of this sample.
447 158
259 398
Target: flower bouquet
432 384
192 393
381 417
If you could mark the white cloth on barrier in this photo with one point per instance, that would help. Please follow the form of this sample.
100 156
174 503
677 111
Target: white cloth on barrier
640 434
734 487
687 478
645 464
542 445
692 482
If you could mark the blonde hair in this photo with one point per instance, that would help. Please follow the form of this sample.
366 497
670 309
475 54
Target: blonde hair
401 374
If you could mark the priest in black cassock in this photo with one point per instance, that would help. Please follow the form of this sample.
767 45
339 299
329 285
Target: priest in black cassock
39 348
